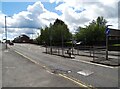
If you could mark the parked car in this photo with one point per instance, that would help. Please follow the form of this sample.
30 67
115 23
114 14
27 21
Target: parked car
11 43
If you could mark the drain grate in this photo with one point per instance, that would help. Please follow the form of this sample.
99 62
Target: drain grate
85 72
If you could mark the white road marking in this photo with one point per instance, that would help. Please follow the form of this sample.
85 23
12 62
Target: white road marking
6 51
64 76
93 63
49 72
9 67
85 72
69 71
77 82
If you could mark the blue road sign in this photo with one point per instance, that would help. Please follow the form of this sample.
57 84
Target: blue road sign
107 31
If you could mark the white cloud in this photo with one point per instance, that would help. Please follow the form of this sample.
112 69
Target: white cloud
36 8
74 13
89 10
2 18
29 18
36 16
48 17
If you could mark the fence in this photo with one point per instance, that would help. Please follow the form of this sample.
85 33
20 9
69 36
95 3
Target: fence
57 50
98 53
84 51
81 51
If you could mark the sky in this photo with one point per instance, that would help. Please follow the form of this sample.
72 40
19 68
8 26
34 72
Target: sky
25 17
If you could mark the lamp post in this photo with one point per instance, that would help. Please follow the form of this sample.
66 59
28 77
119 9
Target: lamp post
107 34
72 45
62 42
5 33
6 30
50 35
50 44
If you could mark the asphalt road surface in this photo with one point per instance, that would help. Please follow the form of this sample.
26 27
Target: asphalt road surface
20 72
87 73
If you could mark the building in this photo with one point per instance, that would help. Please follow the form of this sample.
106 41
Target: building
114 40
22 39
114 36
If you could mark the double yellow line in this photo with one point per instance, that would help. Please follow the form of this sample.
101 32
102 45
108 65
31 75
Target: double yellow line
76 81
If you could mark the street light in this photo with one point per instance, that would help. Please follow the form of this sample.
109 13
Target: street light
50 36
62 35
107 34
5 32
6 29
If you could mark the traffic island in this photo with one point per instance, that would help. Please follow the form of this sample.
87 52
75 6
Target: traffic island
107 62
65 55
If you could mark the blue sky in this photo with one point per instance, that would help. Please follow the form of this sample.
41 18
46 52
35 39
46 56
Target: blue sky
10 8
41 14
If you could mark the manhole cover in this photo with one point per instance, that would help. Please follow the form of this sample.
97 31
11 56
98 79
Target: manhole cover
85 72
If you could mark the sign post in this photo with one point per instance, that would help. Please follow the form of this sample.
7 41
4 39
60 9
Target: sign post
107 34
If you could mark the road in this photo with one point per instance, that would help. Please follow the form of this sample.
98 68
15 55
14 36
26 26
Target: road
87 73
20 72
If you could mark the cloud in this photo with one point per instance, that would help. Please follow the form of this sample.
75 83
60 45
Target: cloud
36 8
79 12
29 18
2 19
36 16
75 13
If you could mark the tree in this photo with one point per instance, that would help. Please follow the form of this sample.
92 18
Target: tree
93 33
55 34
60 32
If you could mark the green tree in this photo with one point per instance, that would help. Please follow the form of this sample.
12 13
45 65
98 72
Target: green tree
55 33
93 33
60 32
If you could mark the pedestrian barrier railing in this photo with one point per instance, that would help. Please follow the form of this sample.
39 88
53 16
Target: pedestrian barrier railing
58 51
84 51
98 53
81 51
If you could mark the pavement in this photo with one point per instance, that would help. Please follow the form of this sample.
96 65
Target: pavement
99 56
79 69
18 71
